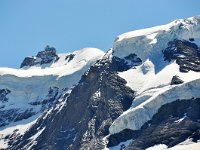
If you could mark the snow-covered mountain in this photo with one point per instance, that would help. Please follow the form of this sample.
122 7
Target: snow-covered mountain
142 94
164 57
27 92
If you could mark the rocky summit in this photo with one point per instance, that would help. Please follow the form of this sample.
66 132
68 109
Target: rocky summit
43 57
142 94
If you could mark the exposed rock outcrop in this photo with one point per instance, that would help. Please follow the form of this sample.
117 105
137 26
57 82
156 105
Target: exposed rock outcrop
44 57
122 136
126 63
69 57
3 95
176 80
186 54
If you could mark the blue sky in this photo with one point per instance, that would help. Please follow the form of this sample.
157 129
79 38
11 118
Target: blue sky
27 26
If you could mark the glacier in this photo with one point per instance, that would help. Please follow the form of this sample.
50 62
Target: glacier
151 80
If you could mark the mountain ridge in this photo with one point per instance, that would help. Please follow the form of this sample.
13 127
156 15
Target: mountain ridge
117 97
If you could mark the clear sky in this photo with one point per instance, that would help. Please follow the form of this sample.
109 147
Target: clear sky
27 26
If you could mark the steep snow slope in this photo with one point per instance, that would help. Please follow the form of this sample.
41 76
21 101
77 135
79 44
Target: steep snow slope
28 91
152 80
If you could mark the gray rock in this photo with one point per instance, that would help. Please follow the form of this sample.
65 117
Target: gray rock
45 57
3 95
28 61
128 62
186 54
176 80
69 57
48 55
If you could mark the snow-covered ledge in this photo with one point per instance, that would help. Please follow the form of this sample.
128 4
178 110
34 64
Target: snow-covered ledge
135 117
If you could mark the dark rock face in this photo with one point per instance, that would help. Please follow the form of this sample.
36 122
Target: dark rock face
87 115
45 57
128 62
3 95
176 80
186 54
173 124
191 39
133 60
28 61
69 57
48 55
122 136
13 115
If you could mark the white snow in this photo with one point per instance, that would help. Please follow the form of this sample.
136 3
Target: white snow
96 95
137 78
186 145
193 146
158 147
144 77
181 119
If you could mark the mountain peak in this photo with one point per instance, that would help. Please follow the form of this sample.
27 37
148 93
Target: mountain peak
48 55
144 90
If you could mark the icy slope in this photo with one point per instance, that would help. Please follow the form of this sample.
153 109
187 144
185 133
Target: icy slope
153 78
